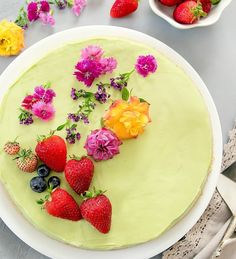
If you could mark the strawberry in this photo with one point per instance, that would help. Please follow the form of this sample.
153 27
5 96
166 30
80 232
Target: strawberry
26 161
122 8
188 12
206 5
171 2
79 174
52 151
97 210
12 147
61 204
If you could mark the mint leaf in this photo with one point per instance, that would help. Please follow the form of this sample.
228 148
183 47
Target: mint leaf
125 94
61 127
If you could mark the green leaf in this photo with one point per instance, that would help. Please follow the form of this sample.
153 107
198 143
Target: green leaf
125 94
88 94
143 101
70 3
47 85
40 202
215 2
73 126
61 127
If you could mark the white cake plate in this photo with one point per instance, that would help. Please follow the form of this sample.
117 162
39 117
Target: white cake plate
55 249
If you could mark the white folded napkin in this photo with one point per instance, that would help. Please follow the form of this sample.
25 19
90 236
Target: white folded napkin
201 241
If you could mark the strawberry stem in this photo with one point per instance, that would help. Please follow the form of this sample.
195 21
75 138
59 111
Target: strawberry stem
91 194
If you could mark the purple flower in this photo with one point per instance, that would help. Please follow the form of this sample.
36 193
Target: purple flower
118 83
145 65
45 95
73 117
43 111
72 134
78 6
45 7
87 70
47 18
101 94
108 65
61 4
25 117
92 52
73 94
102 144
84 118
33 12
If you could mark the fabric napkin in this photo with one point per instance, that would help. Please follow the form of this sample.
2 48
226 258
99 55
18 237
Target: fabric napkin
201 241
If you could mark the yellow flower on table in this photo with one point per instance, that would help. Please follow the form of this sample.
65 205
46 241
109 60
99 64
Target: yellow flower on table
127 119
11 38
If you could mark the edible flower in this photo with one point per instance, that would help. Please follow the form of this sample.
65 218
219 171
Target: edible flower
146 65
42 110
127 119
78 6
102 144
11 38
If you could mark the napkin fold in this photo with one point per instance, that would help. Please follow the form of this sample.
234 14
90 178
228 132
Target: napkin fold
201 241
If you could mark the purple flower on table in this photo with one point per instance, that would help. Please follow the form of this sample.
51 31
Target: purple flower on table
101 95
44 6
145 65
87 70
92 52
102 144
42 110
73 117
78 6
47 18
43 94
73 94
72 134
25 117
32 11
118 83
108 65
84 118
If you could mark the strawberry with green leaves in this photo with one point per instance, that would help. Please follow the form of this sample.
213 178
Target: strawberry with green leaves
122 8
97 210
12 147
26 161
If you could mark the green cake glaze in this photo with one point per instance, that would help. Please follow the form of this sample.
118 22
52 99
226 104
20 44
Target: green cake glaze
154 180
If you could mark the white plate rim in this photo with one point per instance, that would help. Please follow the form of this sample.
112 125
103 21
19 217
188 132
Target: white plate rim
46 245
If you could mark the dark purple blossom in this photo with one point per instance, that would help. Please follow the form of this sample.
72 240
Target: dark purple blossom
145 65
25 117
87 70
33 12
101 95
73 94
73 117
118 83
61 4
72 134
44 6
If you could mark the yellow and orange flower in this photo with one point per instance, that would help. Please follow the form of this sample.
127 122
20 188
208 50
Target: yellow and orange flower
127 119
11 38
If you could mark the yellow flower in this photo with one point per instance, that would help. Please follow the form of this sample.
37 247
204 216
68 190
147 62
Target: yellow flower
11 38
127 119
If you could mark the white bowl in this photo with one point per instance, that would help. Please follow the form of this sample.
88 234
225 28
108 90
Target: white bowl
166 13
55 249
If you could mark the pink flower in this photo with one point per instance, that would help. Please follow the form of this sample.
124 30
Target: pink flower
45 7
145 65
78 6
46 18
33 12
87 70
108 65
43 111
92 52
102 144
28 102
46 95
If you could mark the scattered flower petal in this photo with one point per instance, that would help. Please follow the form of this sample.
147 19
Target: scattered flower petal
145 65
78 6
47 18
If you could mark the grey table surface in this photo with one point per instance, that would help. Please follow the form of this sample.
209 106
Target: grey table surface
210 50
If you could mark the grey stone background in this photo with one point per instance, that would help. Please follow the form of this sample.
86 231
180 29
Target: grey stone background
210 50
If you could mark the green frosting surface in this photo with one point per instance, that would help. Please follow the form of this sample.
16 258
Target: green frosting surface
154 180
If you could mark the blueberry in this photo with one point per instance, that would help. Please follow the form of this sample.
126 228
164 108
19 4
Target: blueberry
43 170
38 184
54 181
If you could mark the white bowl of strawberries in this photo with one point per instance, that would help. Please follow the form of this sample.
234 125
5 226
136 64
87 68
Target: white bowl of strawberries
187 14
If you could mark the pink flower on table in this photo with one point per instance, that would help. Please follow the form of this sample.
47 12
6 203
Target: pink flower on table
44 6
102 144
108 65
33 12
43 111
78 6
46 95
145 65
28 102
87 70
92 52
47 18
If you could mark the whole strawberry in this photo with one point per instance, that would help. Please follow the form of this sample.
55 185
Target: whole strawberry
79 174
26 161
122 8
188 12
52 151
12 147
97 210
171 2
61 204
206 5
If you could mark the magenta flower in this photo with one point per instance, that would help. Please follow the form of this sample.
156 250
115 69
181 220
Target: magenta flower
92 52
102 144
28 102
145 65
47 18
108 65
43 111
33 12
45 95
45 7
78 6
87 70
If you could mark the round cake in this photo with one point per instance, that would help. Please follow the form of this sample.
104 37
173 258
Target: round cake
156 177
